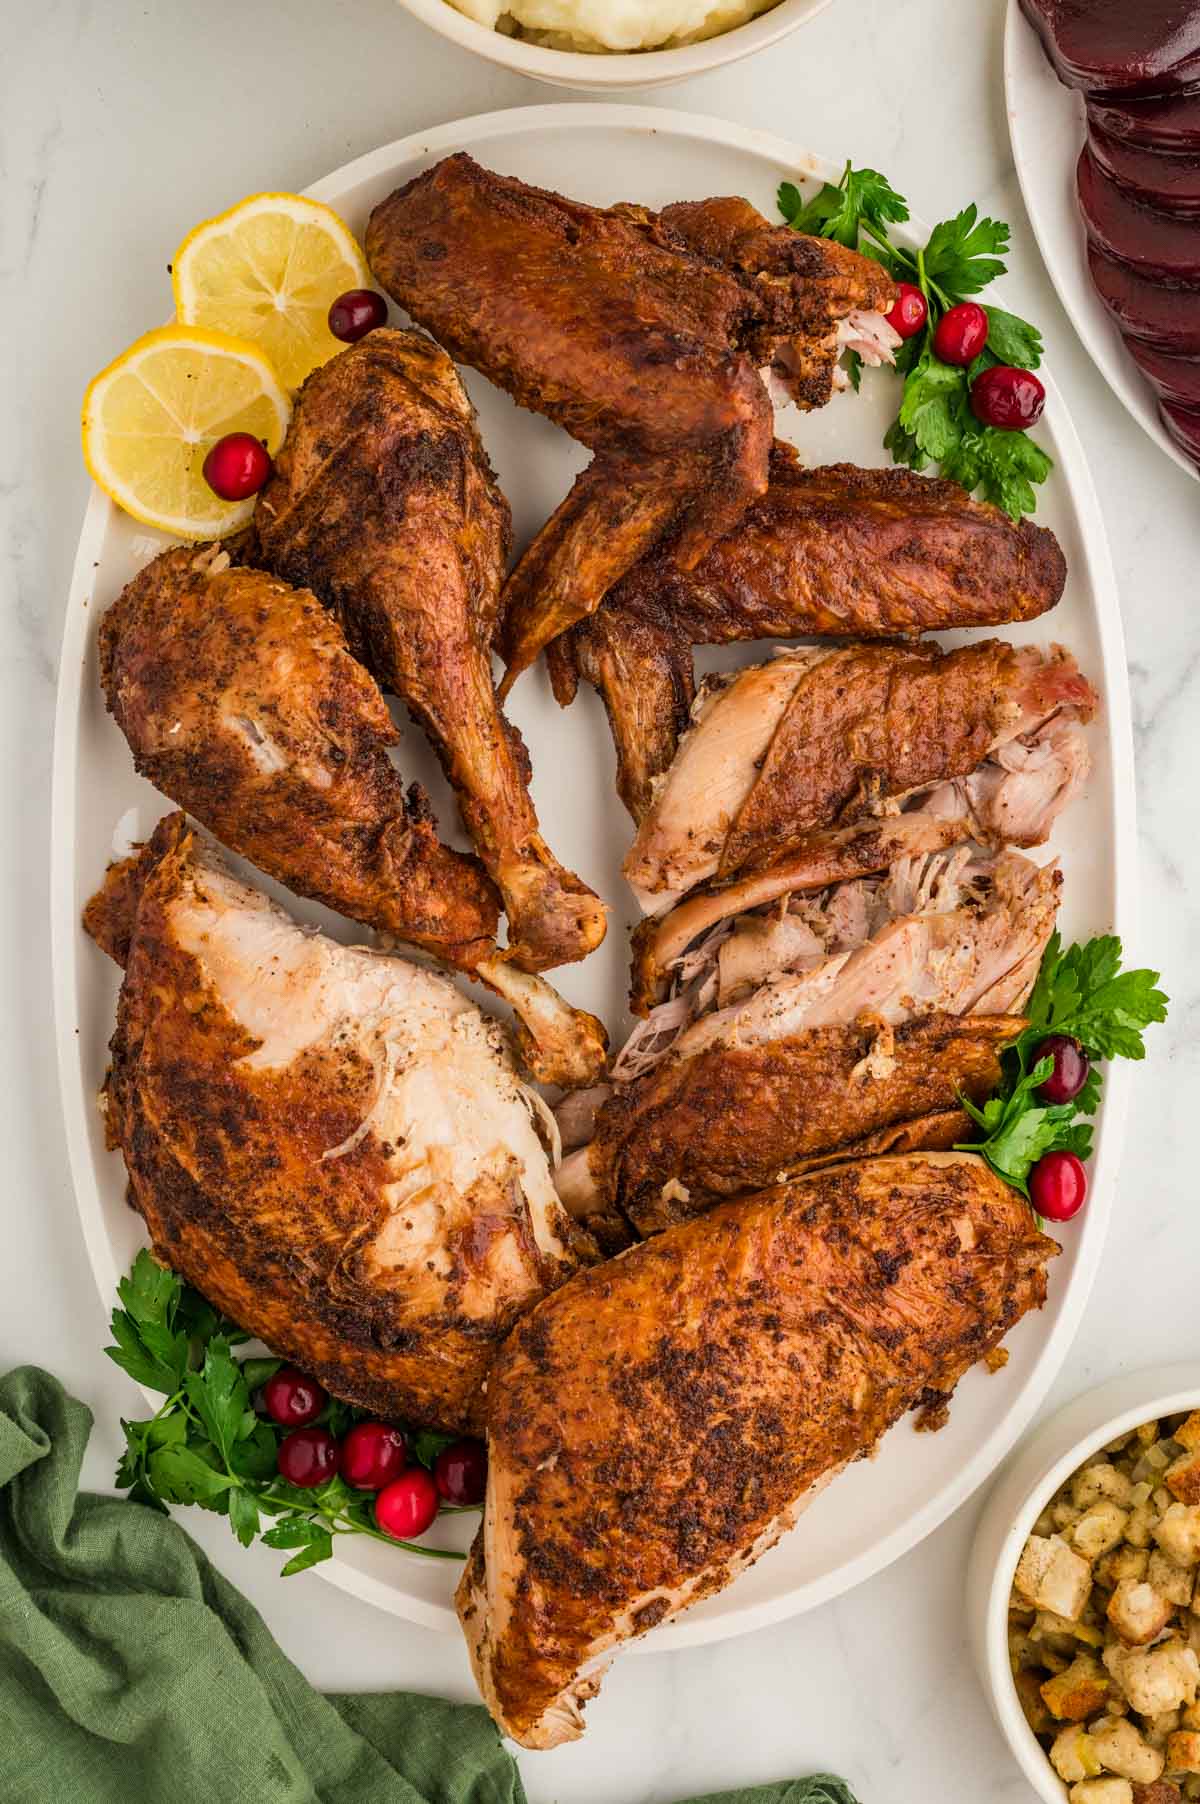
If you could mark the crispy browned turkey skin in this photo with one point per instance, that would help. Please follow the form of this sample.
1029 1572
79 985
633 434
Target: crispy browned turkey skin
837 552
641 347
735 1118
241 702
748 1357
330 1144
383 503
821 738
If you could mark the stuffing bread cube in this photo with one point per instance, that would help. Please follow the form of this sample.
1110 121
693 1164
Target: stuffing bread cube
1120 1748
1102 1791
1099 1529
1072 1755
1101 1480
1176 1583
1138 1613
1123 1562
1139 1530
1178 1533
1188 1433
1161 1792
1054 1577
1182 1477
1155 1679
1079 1692
1183 1751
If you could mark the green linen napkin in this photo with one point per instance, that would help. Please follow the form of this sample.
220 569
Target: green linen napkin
131 1672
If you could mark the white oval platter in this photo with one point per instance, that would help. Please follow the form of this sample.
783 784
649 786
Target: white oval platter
880 1508
1046 126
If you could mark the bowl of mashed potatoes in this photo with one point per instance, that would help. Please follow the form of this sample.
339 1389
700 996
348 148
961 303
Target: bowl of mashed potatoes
608 45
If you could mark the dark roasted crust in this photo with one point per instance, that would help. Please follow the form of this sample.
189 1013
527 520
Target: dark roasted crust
184 642
747 1356
605 323
803 288
834 552
871 721
225 1166
734 1119
383 503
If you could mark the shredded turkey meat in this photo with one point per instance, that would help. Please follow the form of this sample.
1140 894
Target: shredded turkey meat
960 932
815 740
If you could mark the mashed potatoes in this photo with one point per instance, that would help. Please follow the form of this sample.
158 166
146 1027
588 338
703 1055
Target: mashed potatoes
599 25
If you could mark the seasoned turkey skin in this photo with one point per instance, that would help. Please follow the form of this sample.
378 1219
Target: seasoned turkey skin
633 333
822 738
331 1144
736 1118
241 702
748 1357
383 503
835 552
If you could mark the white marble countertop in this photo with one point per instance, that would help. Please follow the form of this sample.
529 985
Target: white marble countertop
121 124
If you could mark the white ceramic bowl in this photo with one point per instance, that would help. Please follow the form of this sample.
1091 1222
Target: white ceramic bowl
615 72
1030 1479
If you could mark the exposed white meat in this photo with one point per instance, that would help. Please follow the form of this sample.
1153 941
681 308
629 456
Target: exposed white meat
955 931
1037 761
733 722
977 939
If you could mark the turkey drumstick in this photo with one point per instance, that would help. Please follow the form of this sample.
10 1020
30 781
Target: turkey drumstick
384 505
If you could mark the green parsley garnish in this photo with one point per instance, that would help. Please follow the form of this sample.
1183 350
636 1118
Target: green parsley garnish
1084 994
935 423
207 1444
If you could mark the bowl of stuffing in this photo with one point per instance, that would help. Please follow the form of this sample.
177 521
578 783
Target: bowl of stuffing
606 46
1084 1595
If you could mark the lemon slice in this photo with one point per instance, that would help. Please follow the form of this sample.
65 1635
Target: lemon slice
267 270
151 418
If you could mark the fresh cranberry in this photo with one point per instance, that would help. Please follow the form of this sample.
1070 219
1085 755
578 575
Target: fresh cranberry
405 1508
292 1398
237 466
1070 1068
372 1454
961 334
910 312
308 1456
1011 400
356 313
460 1472
1058 1186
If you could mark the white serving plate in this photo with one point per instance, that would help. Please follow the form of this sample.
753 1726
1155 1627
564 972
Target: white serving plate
1047 126
879 1509
1029 1480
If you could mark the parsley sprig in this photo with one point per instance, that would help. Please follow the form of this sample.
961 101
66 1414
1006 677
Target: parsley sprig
1084 994
207 1444
935 422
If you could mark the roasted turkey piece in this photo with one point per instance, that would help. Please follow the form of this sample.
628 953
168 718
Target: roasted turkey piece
817 739
747 1358
836 552
695 1131
815 1028
331 1144
241 702
384 505
643 348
